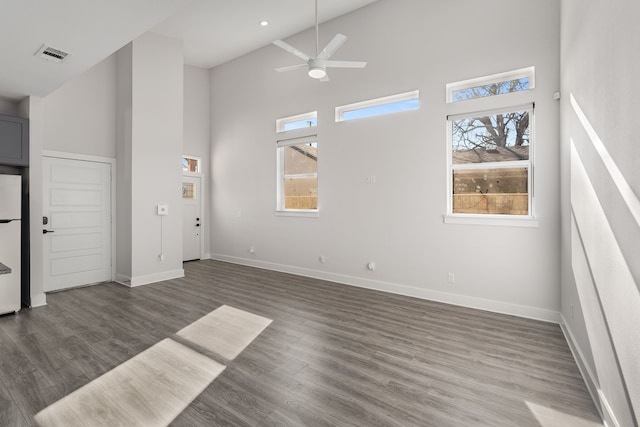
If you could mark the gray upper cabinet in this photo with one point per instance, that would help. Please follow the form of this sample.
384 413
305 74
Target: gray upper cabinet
14 141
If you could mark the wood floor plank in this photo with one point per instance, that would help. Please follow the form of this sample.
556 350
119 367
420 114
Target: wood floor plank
333 355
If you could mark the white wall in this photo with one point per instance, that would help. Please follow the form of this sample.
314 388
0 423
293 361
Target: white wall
156 152
80 116
124 101
601 209
397 222
197 134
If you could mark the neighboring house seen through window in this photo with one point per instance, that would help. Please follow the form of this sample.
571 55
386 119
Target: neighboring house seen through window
297 166
490 149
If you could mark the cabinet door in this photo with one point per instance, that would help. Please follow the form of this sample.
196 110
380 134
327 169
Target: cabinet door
14 141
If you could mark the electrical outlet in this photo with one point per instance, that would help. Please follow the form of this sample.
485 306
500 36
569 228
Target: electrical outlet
451 278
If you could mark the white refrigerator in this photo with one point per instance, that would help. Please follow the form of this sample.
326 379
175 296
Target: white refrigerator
10 216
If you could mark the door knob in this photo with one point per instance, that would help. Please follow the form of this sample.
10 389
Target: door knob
47 231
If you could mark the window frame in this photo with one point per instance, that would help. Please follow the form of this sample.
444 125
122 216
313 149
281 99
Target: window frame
528 220
198 160
283 122
528 72
281 144
406 96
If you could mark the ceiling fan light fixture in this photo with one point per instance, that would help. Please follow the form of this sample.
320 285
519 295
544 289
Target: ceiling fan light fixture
317 72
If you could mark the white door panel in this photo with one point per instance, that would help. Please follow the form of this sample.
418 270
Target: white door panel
191 218
77 203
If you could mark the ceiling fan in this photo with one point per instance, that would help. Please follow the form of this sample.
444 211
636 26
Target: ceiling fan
317 65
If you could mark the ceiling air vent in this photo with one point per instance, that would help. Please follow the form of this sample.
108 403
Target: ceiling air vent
52 54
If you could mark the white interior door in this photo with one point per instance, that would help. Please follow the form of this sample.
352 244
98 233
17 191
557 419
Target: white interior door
77 236
191 217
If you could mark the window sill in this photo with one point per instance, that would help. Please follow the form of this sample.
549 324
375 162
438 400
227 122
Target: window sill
491 220
298 213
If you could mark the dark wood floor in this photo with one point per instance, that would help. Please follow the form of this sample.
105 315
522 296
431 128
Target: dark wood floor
334 355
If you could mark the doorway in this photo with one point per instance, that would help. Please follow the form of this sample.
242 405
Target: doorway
191 218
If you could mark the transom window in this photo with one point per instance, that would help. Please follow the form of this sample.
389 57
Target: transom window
190 164
490 162
495 84
379 106
300 121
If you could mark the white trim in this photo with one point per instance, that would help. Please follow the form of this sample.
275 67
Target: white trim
77 156
395 288
513 164
507 109
298 212
406 96
590 380
114 177
153 278
306 139
38 300
528 72
499 220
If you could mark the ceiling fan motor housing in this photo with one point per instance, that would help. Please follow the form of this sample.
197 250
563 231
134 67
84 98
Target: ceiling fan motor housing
317 68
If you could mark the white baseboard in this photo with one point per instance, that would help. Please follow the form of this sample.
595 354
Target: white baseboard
38 300
589 378
428 294
153 278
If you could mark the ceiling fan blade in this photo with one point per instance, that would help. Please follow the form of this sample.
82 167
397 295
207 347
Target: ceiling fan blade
291 49
332 46
291 67
345 64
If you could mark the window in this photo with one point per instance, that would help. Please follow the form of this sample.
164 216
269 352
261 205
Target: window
490 163
379 106
298 174
190 164
300 121
495 84
188 190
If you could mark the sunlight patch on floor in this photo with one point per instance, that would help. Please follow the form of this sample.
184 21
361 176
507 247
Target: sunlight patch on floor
549 417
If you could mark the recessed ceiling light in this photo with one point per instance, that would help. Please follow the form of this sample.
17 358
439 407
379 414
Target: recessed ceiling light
264 23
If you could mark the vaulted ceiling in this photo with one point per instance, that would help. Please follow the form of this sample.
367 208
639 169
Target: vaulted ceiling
213 31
